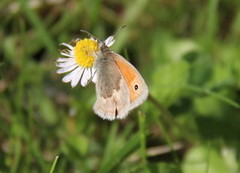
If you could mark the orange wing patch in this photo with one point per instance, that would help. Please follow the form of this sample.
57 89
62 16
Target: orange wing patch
130 74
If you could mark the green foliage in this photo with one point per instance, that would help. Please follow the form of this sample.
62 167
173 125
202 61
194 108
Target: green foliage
187 51
209 159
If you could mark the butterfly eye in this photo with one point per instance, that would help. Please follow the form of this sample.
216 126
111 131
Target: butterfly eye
136 87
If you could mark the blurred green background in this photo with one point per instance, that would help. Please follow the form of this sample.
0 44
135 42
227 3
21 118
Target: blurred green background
188 52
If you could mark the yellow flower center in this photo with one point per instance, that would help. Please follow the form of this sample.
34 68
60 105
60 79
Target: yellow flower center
84 51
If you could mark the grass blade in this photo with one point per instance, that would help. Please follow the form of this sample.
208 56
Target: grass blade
214 94
141 122
39 26
127 149
54 164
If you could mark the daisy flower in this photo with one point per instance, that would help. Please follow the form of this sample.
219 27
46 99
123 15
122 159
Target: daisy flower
78 60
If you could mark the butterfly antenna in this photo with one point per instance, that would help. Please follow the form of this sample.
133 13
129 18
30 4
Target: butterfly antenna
90 35
119 30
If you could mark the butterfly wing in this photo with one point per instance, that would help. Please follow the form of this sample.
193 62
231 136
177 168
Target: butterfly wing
136 84
113 99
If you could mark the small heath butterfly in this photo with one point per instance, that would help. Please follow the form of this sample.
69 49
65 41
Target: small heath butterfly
119 86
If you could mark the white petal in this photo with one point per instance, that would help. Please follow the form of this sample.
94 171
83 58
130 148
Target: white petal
71 53
66 64
67 54
66 69
94 79
67 45
77 76
64 59
94 75
109 41
69 77
86 77
91 38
